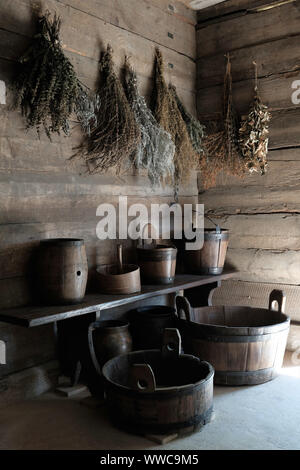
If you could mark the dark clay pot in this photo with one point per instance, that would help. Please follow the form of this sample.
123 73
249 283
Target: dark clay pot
147 325
108 339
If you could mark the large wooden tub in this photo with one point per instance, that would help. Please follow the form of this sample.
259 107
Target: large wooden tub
155 391
245 345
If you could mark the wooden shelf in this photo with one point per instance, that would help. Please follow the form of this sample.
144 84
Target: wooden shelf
40 315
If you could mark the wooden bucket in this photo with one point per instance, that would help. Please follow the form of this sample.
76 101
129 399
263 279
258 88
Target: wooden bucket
211 258
159 391
62 270
157 262
245 345
147 325
120 278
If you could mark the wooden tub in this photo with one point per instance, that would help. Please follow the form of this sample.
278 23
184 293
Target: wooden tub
245 345
159 392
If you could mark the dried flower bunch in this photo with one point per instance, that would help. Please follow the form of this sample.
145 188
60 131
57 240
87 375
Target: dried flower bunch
47 88
116 135
222 146
169 117
155 152
195 129
254 134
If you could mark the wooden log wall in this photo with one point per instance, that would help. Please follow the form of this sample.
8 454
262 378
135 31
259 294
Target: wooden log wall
42 194
262 212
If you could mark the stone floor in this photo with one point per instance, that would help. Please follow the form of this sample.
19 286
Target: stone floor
259 417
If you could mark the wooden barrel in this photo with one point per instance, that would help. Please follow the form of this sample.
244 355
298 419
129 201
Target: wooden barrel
211 258
159 391
157 263
62 270
147 325
245 345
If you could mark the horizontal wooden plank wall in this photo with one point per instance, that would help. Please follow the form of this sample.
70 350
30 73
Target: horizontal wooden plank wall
42 194
261 212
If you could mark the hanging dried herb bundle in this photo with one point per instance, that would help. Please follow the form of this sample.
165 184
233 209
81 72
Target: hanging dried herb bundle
116 135
222 147
213 161
194 127
156 149
231 125
47 88
254 134
169 117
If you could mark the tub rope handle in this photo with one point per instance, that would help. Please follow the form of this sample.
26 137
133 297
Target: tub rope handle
142 378
184 309
279 297
171 343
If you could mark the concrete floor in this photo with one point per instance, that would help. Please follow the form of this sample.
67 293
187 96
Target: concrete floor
259 417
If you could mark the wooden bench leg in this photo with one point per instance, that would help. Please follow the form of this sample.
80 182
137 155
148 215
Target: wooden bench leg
73 351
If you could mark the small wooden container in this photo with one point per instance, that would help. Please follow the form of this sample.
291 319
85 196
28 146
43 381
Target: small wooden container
119 279
211 258
157 262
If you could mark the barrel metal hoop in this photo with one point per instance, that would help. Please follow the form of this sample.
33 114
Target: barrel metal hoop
238 338
208 236
148 255
195 421
211 270
249 377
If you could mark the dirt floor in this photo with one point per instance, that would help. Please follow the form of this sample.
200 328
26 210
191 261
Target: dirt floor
258 417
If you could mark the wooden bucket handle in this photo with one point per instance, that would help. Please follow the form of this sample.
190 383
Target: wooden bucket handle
277 296
142 378
183 307
91 328
120 258
143 234
171 344
2 352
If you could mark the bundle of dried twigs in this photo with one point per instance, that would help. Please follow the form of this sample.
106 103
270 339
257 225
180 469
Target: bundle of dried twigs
156 149
116 135
195 129
169 117
47 88
222 147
